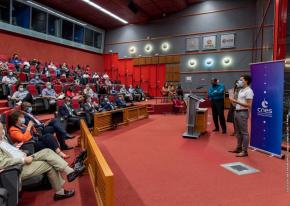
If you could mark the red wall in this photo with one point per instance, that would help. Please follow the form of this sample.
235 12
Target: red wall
144 76
45 51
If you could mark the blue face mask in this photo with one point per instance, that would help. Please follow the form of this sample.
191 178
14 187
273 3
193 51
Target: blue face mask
29 109
22 121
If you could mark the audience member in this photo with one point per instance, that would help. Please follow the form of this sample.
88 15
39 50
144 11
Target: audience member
69 115
49 96
52 126
44 161
106 105
21 95
8 81
90 108
21 133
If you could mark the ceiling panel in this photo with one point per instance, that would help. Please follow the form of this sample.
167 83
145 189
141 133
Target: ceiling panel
147 10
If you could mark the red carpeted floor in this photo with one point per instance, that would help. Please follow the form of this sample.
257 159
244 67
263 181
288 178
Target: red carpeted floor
154 166
84 194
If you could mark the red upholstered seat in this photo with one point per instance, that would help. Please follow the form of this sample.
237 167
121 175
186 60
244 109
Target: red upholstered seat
58 88
32 89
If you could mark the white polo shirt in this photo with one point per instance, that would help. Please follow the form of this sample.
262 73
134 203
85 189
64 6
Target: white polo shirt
243 96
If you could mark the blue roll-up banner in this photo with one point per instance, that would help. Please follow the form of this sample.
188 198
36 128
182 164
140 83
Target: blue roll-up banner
267 109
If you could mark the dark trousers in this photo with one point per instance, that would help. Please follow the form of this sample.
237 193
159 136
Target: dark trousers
89 117
217 106
72 123
55 126
46 141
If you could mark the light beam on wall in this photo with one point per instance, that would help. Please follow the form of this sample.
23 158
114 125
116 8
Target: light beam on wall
227 61
148 48
165 46
105 11
209 62
132 50
192 63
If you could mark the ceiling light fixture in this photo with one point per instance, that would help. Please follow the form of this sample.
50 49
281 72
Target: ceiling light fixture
105 11
55 13
192 63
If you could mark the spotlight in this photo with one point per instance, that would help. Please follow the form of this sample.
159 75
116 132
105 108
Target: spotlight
209 62
165 46
148 48
227 61
132 50
192 63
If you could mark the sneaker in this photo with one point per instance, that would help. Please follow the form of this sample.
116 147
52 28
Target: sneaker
242 154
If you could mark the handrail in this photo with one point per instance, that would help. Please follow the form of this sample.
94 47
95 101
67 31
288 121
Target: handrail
101 175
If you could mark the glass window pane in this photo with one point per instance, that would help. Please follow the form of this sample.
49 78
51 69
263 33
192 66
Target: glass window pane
20 14
79 34
38 22
4 10
54 25
89 37
97 40
67 30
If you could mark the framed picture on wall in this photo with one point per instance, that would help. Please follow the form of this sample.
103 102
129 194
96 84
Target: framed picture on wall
227 41
209 42
192 44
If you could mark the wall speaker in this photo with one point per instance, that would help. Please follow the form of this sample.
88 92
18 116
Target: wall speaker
133 7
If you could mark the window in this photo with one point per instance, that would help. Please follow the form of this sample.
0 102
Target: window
54 25
5 10
79 34
89 37
38 20
67 30
97 40
20 14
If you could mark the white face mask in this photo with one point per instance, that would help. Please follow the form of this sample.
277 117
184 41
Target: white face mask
240 84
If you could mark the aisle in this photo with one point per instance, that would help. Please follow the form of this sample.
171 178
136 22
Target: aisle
154 166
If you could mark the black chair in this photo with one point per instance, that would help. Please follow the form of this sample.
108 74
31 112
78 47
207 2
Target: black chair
3 197
10 180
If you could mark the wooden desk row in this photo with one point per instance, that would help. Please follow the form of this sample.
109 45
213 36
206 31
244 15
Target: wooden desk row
103 121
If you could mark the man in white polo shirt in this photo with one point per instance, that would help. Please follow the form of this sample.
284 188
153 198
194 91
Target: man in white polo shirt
243 108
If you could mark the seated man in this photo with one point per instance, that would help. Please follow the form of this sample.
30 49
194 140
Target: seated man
68 114
133 92
49 96
139 91
37 82
88 91
90 108
50 127
106 105
44 161
128 96
22 95
16 61
26 67
8 81
120 102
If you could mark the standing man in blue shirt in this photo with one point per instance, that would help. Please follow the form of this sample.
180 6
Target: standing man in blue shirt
216 95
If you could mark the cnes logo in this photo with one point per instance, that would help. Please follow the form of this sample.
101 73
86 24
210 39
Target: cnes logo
264 110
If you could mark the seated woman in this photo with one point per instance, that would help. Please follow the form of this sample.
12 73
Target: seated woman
21 133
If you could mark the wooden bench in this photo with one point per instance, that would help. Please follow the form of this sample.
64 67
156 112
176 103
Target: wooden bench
103 121
102 177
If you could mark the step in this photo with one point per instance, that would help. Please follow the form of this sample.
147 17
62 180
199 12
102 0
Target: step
4 109
3 103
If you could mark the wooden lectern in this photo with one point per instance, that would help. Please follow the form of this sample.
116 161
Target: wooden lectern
192 106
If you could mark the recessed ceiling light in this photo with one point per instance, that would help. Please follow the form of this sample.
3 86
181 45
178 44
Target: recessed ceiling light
209 62
132 50
192 63
165 46
105 11
148 48
227 61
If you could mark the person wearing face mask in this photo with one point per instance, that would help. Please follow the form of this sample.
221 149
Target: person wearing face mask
90 108
106 105
16 61
68 114
44 161
21 133
49 96
37 82
52 126
216 95
243 107
7 82
21 95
